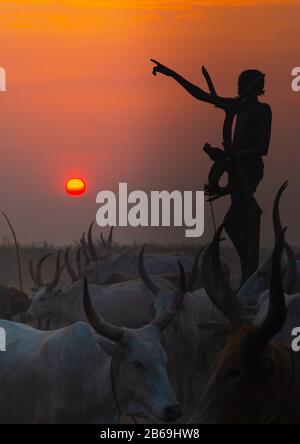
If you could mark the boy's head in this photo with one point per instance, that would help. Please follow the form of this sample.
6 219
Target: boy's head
250 82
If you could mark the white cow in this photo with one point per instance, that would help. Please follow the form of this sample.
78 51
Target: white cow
98 268
188 340
112 302
87 375
126 264
190 349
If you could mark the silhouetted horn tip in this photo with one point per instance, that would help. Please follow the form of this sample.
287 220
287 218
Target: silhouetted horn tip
143 274
91 246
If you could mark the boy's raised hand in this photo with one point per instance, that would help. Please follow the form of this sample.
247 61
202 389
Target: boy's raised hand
162 69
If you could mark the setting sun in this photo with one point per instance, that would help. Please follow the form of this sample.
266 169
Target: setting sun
75 187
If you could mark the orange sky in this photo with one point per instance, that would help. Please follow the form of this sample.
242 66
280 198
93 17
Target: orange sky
81 100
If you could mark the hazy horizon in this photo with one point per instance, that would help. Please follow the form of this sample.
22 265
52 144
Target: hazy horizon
81 101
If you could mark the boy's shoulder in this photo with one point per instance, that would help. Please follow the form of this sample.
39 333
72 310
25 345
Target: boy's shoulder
264 106
264 109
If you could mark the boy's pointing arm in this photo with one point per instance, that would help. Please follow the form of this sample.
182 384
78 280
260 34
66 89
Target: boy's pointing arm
192 89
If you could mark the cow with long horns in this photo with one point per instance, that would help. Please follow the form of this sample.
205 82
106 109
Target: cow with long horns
254 380
12 302
112 302
86 374
254 295
99 268
36 275
189 349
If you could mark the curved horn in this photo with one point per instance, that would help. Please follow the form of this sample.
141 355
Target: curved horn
276 316
216 285
110 237
33 276
100 326
166 317
209 82
291 273
85 249
103 240
39 269
91 245
276 211
107 245
143 274
58 271
195 270
70 269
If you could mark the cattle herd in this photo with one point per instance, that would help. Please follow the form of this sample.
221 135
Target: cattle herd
150 337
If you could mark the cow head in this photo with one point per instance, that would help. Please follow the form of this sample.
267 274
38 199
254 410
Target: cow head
165 296
98 263
12 302
43 301
246 378
99 273
105 252
139 363
91 272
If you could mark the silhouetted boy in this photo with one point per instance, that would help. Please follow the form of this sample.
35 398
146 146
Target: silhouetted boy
254 119
251 142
